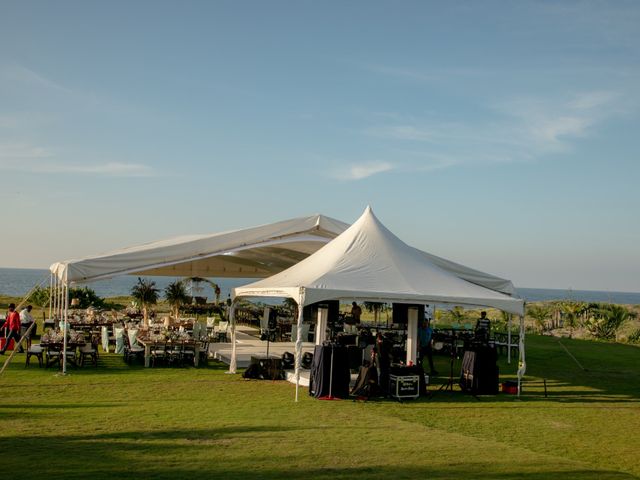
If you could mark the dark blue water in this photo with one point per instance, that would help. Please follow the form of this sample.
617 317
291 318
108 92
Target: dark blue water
17 282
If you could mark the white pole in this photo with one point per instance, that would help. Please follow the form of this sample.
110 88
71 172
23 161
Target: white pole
50 294
412 336
298 350
509 340
55 296
233 364
522 364
321 325
66 324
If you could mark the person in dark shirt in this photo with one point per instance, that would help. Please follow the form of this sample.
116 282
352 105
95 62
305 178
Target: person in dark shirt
383 362
425 332
356 312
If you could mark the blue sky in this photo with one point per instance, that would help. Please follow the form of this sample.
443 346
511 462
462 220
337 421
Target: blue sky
503 135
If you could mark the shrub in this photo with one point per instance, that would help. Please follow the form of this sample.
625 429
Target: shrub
607 320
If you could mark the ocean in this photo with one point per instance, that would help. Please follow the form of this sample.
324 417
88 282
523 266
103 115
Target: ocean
18 281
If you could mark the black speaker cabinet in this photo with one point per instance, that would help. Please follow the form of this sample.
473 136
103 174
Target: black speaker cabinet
479 374
310 312
330 372
401 312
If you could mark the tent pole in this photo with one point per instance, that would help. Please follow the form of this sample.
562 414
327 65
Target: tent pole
299 340
509 339
54 294
50 293
233 364
66 325
522 364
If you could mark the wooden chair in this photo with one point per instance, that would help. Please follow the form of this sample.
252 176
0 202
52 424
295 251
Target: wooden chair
158 353
35 351
90 351
131 352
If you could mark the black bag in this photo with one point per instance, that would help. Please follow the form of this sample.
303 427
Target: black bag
252 371
367 382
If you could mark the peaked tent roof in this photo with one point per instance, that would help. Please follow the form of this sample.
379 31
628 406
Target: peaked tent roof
369 262
255 252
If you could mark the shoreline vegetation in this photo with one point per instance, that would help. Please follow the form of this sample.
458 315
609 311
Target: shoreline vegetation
600 321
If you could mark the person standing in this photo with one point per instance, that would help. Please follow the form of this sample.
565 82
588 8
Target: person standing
383 362
425 332
12 327
217 292
26 320
356 313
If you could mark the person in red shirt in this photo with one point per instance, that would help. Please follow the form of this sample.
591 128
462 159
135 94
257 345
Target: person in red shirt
12 327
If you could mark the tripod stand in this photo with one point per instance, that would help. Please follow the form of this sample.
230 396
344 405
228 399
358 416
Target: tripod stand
452 359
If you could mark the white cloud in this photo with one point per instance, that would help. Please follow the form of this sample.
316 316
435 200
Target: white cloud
20 151
516 130
404 132
24 75
360 171
115 169
38 160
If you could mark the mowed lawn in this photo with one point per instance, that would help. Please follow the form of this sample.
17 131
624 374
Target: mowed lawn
129 422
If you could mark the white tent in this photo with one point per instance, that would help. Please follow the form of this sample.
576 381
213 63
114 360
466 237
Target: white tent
368 262
248 253
255 252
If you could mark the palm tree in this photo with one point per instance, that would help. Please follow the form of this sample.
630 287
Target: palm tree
176 295
571 312
540 313
374 307
457 315
146 293
607 321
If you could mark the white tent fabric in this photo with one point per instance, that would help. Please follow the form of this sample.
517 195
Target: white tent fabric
256 252
368 262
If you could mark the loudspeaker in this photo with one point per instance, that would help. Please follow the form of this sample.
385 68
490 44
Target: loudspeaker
330 372
480 374
400 312
310 312
273 319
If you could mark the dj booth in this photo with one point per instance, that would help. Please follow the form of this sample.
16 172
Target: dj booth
480 374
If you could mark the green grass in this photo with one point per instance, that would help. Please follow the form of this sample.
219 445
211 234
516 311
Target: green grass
117 421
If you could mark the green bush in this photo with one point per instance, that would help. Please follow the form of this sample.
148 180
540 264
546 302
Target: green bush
86 296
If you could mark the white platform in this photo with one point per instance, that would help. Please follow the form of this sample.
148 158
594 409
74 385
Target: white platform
249 345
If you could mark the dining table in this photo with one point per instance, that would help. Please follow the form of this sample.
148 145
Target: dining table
158 341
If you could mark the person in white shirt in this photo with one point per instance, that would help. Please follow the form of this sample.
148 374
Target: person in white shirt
26 320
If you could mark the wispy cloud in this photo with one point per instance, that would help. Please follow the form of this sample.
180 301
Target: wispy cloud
24 75
432 74
39 160
359 171
514 130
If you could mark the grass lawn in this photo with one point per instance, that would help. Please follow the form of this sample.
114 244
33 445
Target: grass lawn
118 421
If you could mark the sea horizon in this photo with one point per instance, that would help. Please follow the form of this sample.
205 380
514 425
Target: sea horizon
18 281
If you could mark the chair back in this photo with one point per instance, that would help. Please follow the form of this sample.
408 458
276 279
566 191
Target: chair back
119 334
223 327
132 337
211 322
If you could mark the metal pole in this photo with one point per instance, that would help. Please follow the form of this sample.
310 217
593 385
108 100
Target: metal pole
50 293
522 364
298 350
233 364
66 324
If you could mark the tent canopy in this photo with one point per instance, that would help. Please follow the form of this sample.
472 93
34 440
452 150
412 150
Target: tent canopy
255 252
368 262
